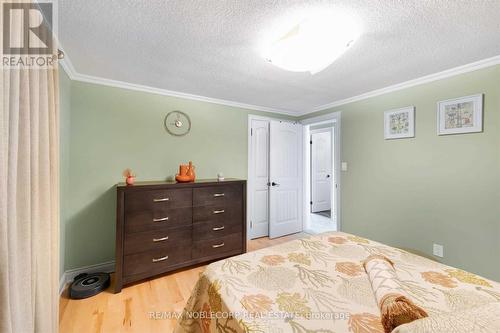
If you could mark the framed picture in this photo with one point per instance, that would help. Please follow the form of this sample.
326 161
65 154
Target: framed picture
460 115
399 123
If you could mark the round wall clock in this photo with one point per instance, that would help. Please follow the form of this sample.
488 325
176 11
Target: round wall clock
177 123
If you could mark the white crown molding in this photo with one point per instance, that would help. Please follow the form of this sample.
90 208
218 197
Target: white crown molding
75 76
411 83
69 275
67 65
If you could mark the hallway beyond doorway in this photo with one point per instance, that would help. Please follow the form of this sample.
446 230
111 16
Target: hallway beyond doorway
321 222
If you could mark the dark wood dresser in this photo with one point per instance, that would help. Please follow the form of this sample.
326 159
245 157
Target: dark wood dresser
163 226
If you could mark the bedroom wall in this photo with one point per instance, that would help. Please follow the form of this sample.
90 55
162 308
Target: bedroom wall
401 192
428 189
112 129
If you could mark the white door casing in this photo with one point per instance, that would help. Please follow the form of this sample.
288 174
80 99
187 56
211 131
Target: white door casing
321 170
334 182
285 208
259 175
336 119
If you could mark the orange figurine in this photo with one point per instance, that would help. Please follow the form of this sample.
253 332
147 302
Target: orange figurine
190 172
182 176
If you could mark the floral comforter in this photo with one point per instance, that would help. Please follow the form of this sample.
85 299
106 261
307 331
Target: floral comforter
317 285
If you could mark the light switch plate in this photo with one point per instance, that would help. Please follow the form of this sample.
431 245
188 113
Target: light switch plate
344 166
438 250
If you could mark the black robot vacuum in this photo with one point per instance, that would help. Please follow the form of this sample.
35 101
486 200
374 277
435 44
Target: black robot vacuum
86 285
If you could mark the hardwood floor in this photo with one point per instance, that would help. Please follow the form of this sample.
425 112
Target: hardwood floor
129 311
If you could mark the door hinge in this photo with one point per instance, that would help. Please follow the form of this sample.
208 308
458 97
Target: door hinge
310 202
311 142
251 131
251 225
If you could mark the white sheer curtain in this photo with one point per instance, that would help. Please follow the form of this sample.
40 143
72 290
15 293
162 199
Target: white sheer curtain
29 200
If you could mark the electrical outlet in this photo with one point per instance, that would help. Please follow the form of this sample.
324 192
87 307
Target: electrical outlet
438 250
343 166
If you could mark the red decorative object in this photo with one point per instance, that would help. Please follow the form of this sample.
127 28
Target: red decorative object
129 176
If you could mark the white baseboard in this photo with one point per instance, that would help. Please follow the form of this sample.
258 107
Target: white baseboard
69 275
62 284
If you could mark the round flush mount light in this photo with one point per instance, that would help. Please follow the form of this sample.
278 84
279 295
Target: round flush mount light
312 43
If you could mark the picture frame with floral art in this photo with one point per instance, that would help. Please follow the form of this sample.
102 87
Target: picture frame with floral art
460 115
399 123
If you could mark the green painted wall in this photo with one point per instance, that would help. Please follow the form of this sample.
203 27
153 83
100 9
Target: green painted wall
414 192
65 127
408 192
112 129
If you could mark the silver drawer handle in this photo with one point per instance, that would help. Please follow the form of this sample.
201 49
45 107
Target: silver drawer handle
218 195
219 211
218 245
160 239
161 219
218 228
160 259
161 199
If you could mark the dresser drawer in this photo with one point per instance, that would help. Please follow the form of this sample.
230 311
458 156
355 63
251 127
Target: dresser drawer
154 220
221 213
165 226
207 248
214 229
157 200
155 261
166 238
217 195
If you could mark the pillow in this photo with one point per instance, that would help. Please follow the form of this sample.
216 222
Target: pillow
484 319
396 308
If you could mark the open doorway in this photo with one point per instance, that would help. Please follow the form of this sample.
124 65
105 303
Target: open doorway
321 164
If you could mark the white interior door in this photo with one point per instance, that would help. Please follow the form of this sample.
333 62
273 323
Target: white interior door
259 169
321 171
285 157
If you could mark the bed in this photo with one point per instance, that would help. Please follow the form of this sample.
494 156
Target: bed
317 284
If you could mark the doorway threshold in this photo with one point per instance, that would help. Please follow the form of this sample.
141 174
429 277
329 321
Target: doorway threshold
319 223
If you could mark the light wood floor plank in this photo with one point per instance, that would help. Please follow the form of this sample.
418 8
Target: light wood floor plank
129 311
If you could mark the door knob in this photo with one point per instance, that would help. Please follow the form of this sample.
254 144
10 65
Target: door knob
327 176
275 184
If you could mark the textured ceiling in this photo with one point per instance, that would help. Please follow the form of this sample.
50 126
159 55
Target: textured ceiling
212 48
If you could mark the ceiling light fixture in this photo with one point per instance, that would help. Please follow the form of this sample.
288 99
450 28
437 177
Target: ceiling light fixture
314 43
